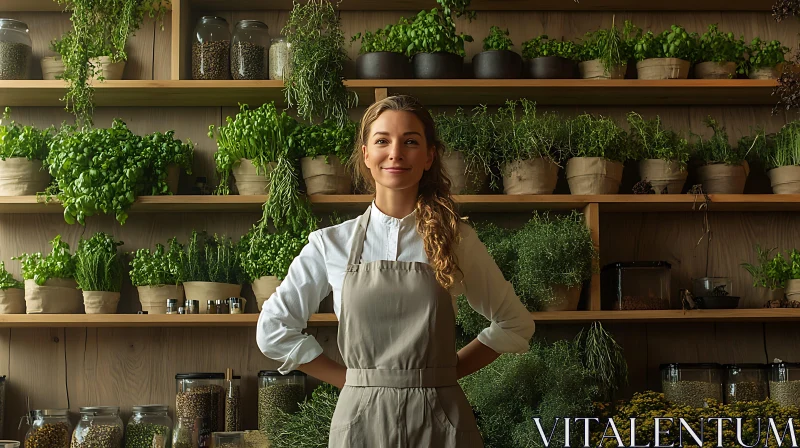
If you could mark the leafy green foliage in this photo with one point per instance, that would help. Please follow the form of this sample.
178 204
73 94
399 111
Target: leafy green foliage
433 31
597 136
7 280
59 263
17 140
529 134
775 150
315 84
98 266
391 38
765 54
212 259
651 141
263 253
159 267
794 263
542 46
672 43
716 46
769 271
497 40
328 139
310 426
472 134
612 47
104 170
718 149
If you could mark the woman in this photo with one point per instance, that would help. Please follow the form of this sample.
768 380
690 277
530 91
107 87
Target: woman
395 273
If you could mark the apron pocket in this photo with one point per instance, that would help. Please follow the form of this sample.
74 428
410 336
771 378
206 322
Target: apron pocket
451 409
351 404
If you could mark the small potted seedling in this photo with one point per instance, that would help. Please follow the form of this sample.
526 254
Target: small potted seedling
724 169
50 286
765 59
22 152
382 54
604 53
469 141
98 271
770 277
598 149
662 154
157 276
436 50
779 155
12 293
547 58
327 147
667 55
212 269
497 61
720 54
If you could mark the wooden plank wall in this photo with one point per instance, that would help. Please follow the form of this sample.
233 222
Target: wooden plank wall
78 367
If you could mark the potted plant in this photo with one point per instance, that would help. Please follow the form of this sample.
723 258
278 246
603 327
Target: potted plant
212 269
22 150
327 148
157 276
98 271
528 148
53 66
724 169
468 148
265 258
604 54
250 145
382 54
668 55
550 59
12 293
662 154
765 59
50 286
770 274
497 61
435 49
597 149
720 55
778 152
793 281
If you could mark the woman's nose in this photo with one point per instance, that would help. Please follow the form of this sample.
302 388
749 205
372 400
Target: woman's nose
396 151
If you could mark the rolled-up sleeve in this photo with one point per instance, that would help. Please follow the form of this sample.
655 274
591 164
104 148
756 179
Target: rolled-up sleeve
491 295
284 316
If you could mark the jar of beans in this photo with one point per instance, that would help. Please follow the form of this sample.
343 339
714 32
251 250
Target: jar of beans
50 429
691 384
250 50
199 407
746 382
277 391
99 427
15 49
211 49
784 383
148 426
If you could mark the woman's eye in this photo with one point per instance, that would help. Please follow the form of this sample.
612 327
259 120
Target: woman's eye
411 141
381 141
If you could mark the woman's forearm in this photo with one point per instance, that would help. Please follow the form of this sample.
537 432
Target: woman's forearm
473 357
325 369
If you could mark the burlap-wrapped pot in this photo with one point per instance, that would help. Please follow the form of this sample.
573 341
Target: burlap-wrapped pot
793 290
264 287
205 291
663 68
715 70
462 180
22 177
720 178
533 176
593 175
154 298
12 301
52 67
594 69
100 302
766 72
110 71
785 179
250 181
564 298
663 175
56 296
325 177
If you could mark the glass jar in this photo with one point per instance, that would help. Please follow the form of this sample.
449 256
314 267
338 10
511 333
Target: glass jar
637 285
148 427
746 382
784 383
99 427
280 58
15 49
250 50
9 444
277 391
199 407
211 48
229 440
691 384
50 428
714 293
233 421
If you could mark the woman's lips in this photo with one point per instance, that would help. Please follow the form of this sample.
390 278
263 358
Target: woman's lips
396 170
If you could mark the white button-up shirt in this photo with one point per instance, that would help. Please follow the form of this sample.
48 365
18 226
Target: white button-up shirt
320 269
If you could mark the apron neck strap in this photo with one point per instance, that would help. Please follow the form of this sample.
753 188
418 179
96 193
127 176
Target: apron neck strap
357 247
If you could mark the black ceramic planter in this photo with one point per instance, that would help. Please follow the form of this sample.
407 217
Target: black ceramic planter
437 66
383 65
497 64
551 67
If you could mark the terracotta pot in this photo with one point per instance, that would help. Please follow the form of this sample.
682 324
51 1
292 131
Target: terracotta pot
22 177
263 288
437 66
110 71
533 176
594 69
56 296
551 67
785 179
663 175
720 178
12 301
154 298
593 175
564 298
205 291
462 179
715 70
383 65
251 181
497 64
52 67
325 177
663 68
100 302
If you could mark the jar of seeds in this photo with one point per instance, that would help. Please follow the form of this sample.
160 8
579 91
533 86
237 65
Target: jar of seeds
229 440
148 427
233 420
280 58
15 49
99 427
211 49
784 383
50 429
200 406
277 391
249 50
745 382
691 384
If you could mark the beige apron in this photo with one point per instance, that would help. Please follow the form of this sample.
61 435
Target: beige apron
397 339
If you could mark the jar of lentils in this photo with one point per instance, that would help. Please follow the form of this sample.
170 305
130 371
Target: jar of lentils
15 49
280 58
784 383
99 427
691 384
746 382
199 406
277 391
250 50
50 429
149 426
211 49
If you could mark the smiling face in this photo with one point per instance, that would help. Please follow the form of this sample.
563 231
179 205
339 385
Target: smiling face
396 151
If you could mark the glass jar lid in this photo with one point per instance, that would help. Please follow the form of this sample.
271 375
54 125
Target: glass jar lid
213 19
745 366
203 376
150 408
251 24
264 373
791 365
13 23
97 410
52 412
690 365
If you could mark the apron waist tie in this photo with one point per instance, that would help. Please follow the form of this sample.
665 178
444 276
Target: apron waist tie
428 377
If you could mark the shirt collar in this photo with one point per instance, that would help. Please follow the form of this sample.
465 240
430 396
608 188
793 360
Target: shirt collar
385 219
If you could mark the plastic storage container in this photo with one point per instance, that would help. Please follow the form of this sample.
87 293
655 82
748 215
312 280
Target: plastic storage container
714 293
15 49
280 58
199 407
691 384
211 49
229 440
99 427
746 382
149 426
784 383
637 285
250 50
276 391
50 428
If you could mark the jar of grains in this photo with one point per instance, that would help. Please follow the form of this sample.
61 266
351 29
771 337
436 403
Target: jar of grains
280 58
199 406
250 50
15 49
746 382
784 383
148 427
691 384
211 48
99 427
277 391
50 429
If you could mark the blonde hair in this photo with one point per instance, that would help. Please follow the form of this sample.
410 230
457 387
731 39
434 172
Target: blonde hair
437 219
